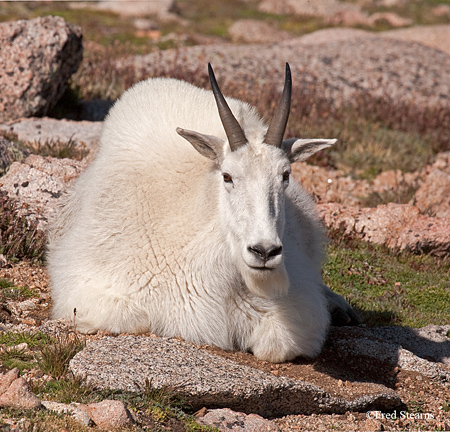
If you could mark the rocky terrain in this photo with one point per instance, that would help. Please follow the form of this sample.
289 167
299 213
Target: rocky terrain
382 378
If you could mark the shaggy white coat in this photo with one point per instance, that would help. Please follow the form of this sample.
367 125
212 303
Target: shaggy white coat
140 244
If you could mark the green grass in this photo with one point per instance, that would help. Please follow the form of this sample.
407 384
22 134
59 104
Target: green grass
34 340
388 288
17 358
21 358
10 291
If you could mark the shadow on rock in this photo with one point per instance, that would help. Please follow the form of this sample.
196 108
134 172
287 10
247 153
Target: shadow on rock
374 355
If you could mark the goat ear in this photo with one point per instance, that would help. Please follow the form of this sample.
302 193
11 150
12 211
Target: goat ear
207 145
301 149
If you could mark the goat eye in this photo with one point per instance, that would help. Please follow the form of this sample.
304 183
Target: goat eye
227 178
286 176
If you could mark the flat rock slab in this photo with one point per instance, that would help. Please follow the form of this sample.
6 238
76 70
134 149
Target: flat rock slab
425 350
34 130
206 379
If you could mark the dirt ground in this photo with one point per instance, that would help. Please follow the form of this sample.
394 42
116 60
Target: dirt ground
426 401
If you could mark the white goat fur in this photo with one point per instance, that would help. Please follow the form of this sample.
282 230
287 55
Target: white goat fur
142 244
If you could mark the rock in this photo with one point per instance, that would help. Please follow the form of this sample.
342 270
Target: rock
442 162
255 31
163 9
19 396
441 10
433 197
396 181
25 306
322 8
20 347
372 424
328 35
349 18
391 18
9 153
144 24
357 17
85 134
108 414
369 66
435 36
398 226
204 379
425 350
37 56
329 185
7 379
37 185
333 186
226 420
71 409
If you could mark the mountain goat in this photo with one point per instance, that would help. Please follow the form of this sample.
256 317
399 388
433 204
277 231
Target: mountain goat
188 224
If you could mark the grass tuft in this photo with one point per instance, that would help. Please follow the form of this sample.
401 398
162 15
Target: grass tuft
53 358
19 238
58 148
17 358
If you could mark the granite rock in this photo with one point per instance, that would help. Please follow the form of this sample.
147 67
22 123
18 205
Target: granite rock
71 409
208 380
323 8
37 57
37 184
226 420
398 226
256 31
84 134
341 69
15 392
7 379
108 414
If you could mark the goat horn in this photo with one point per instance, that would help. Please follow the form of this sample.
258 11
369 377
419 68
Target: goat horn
274 135
235 134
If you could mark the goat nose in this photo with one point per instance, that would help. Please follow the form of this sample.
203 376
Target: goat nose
265 253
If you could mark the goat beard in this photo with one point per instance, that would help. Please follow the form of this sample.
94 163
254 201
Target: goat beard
268 283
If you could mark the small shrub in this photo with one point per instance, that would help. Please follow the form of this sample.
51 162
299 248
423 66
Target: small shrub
402 194
66 390
19 238
58 148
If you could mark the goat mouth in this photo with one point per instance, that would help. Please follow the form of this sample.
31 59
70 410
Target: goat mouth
262 268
